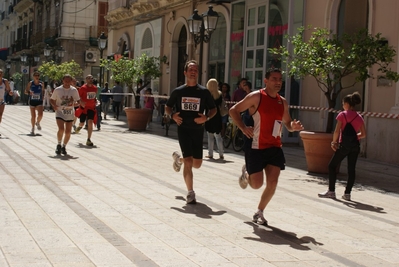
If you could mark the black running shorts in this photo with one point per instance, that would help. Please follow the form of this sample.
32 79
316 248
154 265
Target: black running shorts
191 141
257 159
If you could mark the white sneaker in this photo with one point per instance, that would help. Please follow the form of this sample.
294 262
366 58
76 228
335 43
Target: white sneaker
191 198
346 197
176 161
258 218
242 180
38 126
327 194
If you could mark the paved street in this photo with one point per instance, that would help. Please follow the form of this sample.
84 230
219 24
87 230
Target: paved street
120 203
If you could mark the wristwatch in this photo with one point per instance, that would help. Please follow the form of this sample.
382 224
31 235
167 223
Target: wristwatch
208 118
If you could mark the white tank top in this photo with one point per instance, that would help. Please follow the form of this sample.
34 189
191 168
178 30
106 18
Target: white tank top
2 91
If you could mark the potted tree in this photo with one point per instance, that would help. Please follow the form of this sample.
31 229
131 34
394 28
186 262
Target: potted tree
128 72
329 59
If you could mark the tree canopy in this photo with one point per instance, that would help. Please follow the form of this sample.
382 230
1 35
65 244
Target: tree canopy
329 58
56 71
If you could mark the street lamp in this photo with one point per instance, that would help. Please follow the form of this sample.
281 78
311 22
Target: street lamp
58 54
202 27
102 44
8 66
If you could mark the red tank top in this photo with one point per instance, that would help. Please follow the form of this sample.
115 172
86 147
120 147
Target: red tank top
268 122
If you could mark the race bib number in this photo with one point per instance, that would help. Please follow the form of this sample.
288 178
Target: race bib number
91 95
277 129
190 104
67 111
35 97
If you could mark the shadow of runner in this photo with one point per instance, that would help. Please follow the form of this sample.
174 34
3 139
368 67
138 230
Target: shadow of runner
200 210
362 206
280 237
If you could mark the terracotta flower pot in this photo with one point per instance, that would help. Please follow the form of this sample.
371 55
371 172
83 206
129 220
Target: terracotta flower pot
318 150
137 118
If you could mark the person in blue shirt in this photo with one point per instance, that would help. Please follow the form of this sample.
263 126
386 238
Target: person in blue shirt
35 91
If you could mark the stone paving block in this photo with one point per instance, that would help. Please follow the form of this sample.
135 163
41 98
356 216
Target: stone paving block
72 256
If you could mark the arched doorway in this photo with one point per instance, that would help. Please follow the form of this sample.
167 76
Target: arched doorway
182 56
349 22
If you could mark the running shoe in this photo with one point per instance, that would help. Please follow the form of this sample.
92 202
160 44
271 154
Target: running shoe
242 180
346 197
58 150
38 126
327 194
89 143
258 218
78 129
176 161
191 198
32 132
63 150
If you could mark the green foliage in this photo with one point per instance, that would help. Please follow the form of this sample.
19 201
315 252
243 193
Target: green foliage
329 58
56 71
17 77
129 71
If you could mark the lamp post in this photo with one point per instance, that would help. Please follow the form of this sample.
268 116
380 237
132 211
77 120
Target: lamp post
8 66
58 53
102 44
202 27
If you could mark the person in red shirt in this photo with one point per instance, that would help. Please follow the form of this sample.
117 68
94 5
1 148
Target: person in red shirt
269 112
87 109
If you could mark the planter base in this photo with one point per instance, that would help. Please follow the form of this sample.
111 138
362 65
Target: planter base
318 150
137 118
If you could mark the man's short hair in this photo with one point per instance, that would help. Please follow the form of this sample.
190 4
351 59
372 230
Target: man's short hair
270 71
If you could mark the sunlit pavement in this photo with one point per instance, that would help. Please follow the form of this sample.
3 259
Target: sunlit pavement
120 203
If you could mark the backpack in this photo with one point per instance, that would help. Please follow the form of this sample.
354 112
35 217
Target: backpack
349 135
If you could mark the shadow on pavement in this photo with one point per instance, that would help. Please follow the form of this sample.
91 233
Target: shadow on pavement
280 237
362 206
200 210
63 157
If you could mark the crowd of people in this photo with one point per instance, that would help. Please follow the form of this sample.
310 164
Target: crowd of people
260 114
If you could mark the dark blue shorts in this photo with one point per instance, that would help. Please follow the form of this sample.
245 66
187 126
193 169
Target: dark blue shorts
191 141
256 160
35 103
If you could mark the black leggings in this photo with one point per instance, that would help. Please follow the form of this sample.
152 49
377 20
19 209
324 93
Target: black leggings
339 155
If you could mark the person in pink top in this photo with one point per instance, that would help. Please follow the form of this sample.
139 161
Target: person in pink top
343 150
149 103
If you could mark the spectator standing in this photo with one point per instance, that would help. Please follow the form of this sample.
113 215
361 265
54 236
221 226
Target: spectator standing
239 93
105 100
117 98
47 95
225 106
213 126
4 89
345 149
149 103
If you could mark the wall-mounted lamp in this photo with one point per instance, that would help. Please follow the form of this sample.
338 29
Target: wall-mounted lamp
164 60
